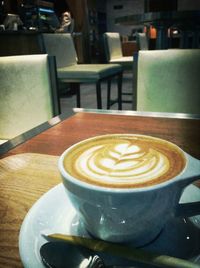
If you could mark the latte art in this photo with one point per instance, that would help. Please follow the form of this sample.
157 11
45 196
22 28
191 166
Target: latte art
124 161
120 163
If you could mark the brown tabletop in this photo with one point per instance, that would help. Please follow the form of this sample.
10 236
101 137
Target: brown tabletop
30 169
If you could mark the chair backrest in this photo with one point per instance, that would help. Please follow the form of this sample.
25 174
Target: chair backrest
169 81
61 46
28 95
112 44
142 41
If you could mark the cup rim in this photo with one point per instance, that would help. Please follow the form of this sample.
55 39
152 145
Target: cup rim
99 188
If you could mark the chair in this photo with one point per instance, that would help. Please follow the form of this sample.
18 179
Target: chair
169 81
142 41
113 51
28 95
69 71
113 54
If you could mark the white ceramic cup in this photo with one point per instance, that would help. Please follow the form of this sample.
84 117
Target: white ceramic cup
128 214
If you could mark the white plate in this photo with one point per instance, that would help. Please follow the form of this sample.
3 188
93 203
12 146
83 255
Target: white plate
53 212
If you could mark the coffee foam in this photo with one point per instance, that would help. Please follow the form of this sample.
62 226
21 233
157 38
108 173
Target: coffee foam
124 161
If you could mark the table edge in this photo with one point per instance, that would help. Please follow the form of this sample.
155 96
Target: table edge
139 113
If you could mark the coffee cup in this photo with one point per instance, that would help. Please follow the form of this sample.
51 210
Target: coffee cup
125 187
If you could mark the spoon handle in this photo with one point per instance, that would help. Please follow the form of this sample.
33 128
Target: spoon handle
137 255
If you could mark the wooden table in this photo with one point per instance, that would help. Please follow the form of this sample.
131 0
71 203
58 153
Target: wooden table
30 169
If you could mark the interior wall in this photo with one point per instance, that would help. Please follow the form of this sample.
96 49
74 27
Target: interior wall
188 5
117 8
79 9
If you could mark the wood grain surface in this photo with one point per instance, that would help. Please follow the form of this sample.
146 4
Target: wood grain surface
183 132
23 179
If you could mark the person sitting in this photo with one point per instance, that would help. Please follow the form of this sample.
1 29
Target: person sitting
67 23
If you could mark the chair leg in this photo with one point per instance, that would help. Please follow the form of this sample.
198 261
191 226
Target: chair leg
78 96
108 93
119 84
98 93
75 87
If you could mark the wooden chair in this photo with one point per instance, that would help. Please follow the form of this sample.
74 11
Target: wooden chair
28 93
69 71
169 81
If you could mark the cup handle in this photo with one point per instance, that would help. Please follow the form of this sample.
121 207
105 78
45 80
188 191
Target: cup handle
192 174
188 209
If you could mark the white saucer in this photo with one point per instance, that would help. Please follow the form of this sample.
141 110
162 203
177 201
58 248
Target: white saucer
53 212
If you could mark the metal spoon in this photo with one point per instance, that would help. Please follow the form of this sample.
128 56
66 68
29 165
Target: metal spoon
64 255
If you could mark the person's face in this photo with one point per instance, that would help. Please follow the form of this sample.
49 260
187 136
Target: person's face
66 16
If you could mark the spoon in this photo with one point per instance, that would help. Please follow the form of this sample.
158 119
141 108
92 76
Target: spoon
63 255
